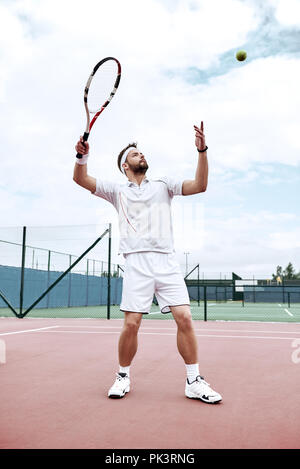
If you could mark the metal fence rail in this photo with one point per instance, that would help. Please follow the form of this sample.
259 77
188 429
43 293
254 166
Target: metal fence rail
23 288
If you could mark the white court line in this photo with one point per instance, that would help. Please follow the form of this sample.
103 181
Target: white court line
28 330
167 334
287 311
175 329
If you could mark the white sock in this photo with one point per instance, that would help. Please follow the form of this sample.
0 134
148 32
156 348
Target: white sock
124 369
192 371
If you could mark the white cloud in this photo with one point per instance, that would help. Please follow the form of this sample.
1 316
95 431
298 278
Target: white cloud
253 109
245 242
287 12
285 240
145 33
15 47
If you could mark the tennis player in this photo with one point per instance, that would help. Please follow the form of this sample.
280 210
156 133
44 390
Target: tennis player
151 267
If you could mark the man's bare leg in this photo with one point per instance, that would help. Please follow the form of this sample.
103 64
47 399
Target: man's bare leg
186 339
128 341
196 387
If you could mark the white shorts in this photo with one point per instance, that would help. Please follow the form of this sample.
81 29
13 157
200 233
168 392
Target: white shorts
148 273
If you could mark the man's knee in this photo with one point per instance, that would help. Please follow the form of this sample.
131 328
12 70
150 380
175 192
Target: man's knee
132 323
184 320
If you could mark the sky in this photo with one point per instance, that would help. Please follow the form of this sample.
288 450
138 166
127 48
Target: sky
178 69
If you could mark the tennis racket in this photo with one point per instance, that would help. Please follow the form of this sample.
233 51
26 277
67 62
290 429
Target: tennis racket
99 90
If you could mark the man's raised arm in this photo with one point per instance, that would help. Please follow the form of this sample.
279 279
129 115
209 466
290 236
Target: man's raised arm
199 184
80 175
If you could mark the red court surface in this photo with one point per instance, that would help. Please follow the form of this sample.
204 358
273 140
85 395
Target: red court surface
56 374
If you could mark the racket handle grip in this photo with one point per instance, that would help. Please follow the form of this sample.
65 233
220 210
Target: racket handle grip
85 137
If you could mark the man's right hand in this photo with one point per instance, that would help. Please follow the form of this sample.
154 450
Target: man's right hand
82 147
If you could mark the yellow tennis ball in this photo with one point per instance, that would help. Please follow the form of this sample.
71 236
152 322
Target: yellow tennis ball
241 55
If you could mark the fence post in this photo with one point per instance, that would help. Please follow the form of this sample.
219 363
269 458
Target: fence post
69 283
48 275
87 283
22 270
109 271
198 284
205 303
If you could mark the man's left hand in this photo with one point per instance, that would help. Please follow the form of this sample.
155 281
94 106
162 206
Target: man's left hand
200 137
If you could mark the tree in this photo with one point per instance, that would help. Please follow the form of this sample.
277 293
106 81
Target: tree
288 273
278 273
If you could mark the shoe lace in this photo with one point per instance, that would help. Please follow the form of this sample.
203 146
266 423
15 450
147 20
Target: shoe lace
204 383
119 379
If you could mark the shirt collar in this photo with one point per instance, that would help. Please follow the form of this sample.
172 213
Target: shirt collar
130 183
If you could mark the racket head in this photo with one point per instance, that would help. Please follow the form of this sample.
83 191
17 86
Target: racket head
101 86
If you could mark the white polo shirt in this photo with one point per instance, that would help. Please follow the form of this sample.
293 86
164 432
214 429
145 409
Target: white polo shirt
145 220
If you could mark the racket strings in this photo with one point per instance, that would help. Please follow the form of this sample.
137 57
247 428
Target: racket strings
102 86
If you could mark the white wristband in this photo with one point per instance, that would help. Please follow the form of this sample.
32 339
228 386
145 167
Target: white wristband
82 160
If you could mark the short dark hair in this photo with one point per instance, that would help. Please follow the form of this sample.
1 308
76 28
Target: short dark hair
133 145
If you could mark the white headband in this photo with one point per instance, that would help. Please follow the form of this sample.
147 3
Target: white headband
123 159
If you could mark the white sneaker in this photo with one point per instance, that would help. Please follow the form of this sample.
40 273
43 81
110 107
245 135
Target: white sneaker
120 387
199 389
